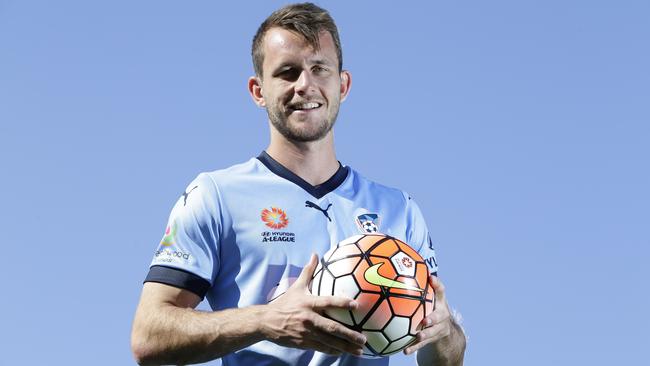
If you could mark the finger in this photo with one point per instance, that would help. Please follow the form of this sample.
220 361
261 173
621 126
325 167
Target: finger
320 347
308 271
323 302
338 344
336 330
439 315
438 287
426 336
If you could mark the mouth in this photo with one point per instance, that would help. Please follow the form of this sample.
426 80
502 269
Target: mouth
304 107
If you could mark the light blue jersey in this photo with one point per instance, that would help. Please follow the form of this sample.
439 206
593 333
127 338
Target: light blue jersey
241 235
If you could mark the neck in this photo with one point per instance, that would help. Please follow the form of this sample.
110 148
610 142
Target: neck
313 161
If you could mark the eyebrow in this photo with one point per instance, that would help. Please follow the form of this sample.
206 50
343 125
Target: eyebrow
321 61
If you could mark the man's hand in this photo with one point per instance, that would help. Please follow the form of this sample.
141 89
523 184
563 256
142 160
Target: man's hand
295 319
438 325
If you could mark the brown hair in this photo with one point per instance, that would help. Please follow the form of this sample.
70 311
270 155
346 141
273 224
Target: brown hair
306 19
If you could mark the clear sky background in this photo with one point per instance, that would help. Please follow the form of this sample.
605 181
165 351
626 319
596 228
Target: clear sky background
521 127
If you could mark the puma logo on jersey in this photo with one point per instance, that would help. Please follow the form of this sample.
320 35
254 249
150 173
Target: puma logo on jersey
313 205
185 194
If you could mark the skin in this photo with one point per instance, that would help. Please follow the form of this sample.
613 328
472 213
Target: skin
167 329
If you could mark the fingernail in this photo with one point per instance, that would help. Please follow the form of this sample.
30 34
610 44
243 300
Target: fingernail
358 352
354 305
428 322
361 340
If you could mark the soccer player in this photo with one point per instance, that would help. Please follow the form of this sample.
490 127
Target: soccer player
243 237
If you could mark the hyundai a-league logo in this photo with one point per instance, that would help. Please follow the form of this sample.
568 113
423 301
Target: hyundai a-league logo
368 223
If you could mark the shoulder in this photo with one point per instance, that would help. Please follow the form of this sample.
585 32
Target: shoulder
367 186
205 188
248 170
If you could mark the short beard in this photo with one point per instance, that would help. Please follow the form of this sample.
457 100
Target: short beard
280 122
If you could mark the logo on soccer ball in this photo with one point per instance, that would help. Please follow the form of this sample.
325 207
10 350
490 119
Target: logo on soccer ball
275 218
170 236
403 264
368 223
407 262
372 276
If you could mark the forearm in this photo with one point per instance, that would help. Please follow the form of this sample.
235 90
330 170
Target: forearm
447 351
175 335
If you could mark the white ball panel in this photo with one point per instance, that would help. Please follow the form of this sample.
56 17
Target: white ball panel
376 340
326 284
397 328
315 281
328 254
399 345
341 315
346 286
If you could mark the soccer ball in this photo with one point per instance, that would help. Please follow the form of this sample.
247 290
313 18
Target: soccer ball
388 279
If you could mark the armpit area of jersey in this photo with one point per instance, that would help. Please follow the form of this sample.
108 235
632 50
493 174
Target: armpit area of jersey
178 278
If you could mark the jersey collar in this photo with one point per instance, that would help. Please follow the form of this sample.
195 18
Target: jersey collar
317 191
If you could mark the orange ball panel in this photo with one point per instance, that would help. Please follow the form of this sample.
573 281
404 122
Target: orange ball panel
404 307
399 291
366 302
379 317
409 281
363 284
422 275
386 249
387 270
368 241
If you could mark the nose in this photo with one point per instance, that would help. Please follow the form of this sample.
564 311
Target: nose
304 83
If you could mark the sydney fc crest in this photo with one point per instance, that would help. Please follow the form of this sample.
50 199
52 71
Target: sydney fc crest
368 223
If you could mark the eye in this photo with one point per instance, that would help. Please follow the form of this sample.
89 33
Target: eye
320 69
288 73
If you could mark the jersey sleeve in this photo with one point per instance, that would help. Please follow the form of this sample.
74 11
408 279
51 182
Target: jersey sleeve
188 256
418 235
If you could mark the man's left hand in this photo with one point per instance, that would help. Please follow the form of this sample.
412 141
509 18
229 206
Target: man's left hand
438 324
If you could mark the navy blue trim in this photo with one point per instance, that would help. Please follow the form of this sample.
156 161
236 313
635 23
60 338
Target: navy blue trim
178 278
317 191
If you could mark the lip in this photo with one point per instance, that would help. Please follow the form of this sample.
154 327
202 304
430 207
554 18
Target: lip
305 111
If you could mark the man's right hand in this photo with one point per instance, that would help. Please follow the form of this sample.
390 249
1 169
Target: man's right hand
295 319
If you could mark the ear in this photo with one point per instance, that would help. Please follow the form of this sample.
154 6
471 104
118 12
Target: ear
255 90
346 83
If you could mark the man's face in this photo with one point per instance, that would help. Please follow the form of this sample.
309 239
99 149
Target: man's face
301 88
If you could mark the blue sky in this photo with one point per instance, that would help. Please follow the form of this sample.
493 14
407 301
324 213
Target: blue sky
521 127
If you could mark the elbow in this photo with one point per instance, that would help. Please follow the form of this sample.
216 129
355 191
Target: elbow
139 351
142 350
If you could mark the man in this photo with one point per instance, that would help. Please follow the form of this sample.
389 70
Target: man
242 235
